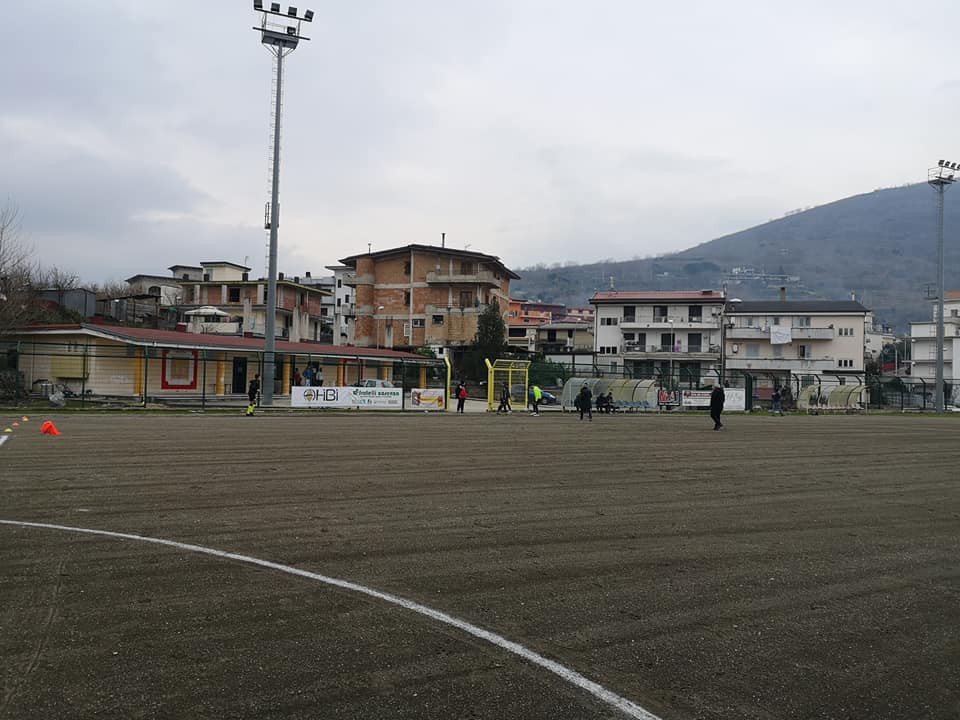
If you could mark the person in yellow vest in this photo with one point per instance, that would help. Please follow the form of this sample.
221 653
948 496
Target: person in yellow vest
537 395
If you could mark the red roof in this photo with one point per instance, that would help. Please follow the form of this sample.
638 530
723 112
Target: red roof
705 295
145 336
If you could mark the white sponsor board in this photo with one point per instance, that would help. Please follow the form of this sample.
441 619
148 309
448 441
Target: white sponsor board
378 398
735 399
428 398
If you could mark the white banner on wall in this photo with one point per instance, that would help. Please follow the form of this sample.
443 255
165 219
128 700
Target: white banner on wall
377 398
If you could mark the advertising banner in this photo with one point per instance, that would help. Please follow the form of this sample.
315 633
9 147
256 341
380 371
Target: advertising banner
668 397
428 399
376 398
695 398
734 399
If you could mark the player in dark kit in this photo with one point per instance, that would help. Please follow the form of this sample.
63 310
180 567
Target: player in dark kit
252 393
716 406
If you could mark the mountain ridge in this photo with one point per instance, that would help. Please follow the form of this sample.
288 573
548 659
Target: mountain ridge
879 246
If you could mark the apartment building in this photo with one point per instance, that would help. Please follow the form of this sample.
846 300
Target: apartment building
568 343
923 341
423 296
646 334
227 288
777 338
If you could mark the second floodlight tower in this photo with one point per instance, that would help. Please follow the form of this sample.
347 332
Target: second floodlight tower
940 178
280 34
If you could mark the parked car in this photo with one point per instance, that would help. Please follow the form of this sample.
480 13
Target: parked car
373 382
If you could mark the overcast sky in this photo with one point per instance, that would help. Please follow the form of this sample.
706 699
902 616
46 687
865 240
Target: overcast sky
134 135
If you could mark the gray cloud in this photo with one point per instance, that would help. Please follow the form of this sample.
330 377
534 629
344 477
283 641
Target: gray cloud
541 132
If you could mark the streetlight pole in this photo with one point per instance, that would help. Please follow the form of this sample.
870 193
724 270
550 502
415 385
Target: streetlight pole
379 308
673 342
280 39
939 178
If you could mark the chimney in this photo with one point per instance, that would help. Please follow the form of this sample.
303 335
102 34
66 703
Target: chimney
307 273
783 293
245 276
296 279
443 240
279 276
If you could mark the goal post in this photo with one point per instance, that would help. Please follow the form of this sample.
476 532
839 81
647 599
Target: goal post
516 375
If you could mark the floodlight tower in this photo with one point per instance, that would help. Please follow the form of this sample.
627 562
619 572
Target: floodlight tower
280 34
939 179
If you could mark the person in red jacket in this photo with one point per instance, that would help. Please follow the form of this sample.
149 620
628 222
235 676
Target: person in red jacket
461 396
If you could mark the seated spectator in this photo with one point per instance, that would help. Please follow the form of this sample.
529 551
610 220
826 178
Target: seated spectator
610 406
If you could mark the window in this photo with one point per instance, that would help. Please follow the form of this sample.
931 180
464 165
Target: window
803 322
775 320
466 268
845 332
749 321
806 352
695 342
303 298
406 297
338 302
569 333
438 319
629 337
466 298
696 313
233 294
752 350
630 314
339 284
666 341
551 335
608 321
953 313
419 322
846 363
406 268
778 351
323 311
517 332
659 313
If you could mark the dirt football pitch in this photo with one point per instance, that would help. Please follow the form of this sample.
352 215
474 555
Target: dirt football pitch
797 567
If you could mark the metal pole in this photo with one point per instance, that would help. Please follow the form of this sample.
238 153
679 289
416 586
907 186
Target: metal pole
269 368
938 389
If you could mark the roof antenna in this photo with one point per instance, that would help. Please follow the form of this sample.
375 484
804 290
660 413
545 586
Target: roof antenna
443 240
368 248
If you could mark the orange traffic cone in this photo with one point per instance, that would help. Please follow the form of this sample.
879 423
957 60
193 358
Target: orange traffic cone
48 428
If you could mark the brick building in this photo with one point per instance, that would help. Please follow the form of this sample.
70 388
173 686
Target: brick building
423 296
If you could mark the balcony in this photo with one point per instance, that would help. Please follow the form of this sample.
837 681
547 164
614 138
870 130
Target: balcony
680 322
483 277
690 352
560 348
797 333
736 362
348 310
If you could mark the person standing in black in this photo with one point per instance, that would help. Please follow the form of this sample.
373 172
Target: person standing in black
504 407
716 406
586 402
252 393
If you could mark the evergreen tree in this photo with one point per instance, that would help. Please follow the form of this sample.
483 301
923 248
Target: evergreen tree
491 340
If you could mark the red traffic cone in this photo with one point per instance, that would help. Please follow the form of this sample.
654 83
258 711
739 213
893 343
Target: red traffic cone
48 428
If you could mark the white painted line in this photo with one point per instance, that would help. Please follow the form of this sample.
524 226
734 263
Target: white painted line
574 678
3 439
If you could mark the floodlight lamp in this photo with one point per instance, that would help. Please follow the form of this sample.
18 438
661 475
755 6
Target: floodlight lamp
275 7
258 4
308 15
291 30
940 163
292 11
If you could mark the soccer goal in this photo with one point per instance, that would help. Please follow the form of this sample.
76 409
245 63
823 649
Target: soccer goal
515 374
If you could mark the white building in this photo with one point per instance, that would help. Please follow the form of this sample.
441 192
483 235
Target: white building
923 340
651 334
778 338
344 309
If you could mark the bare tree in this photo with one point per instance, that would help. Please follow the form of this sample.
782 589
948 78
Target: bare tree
17 269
